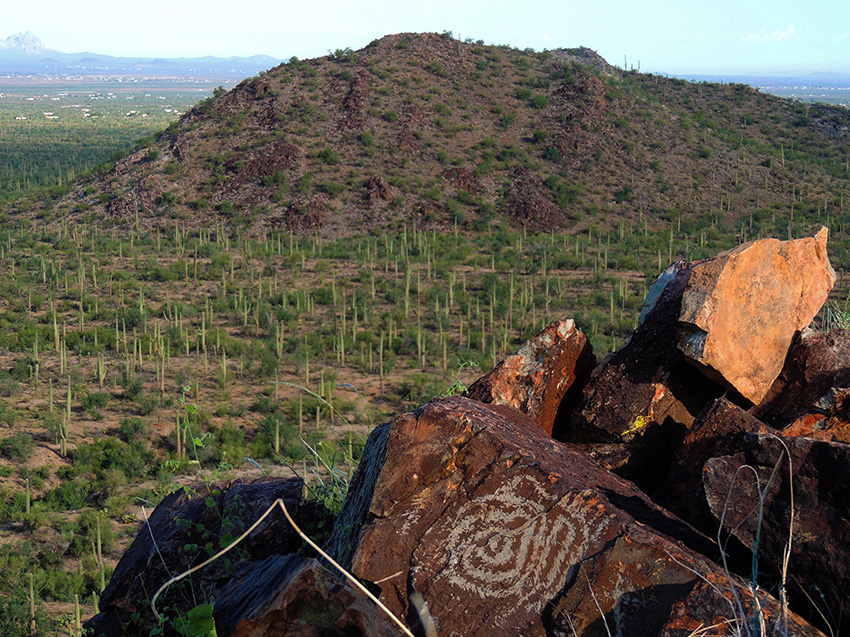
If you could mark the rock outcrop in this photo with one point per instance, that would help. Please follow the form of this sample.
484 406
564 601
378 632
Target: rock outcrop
504 531
742 309
538 377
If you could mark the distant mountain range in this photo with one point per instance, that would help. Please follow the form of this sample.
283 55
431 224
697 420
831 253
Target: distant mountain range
25 53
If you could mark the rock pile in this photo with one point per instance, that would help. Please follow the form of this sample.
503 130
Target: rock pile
556 500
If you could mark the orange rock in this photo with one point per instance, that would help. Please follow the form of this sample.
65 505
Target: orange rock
832 428
741 310
536 379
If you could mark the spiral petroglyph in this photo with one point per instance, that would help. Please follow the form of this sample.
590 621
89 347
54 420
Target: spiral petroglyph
515 542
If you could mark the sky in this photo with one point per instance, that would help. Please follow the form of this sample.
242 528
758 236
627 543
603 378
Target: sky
678 37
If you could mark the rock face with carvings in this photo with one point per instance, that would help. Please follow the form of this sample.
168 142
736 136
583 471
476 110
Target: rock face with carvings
505 531
537 379
741 310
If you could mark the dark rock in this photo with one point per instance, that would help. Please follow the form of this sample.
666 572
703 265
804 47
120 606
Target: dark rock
379 189
505 531
290 595
175 537
647 381
742 309
811 382
644 396
538 377
819 565
719 430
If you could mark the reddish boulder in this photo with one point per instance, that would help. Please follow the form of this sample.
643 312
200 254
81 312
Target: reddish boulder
752 503
538 377
289 596
741 310
174 540
505 531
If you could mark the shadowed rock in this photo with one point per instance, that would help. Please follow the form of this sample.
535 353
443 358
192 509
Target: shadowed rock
811 397
741 310
287 595
505 531
538 377
174 540
637 404
718 431
819 566
646 382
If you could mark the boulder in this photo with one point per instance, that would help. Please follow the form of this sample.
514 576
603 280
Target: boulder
504 531
288 595
815 490
639 402
175 538
741 310
810 397
537 379
718 431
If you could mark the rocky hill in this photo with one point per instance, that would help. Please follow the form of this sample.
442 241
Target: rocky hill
424 127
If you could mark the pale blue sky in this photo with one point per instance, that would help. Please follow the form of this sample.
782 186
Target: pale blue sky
680 37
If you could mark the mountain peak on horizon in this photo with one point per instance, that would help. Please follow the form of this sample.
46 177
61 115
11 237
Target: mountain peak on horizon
25 43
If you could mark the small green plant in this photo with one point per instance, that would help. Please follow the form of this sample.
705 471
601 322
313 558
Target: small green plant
18 447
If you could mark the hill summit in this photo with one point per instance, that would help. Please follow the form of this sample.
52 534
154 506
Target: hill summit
426 128
24 43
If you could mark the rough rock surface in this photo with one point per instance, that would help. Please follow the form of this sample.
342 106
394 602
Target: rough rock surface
819 565
505 531
718 431
538 377
637 404
742 309
812 382
184 520
287 595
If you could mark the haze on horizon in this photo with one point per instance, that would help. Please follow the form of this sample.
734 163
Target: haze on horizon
740 37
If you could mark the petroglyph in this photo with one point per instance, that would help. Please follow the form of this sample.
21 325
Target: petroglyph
516 542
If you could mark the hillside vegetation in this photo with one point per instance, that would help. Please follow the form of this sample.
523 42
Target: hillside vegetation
429 129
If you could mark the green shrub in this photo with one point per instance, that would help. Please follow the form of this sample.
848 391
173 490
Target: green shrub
540 101
332 188
86 535
17 447
328 156
22 369
134 428
15 615
70 495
